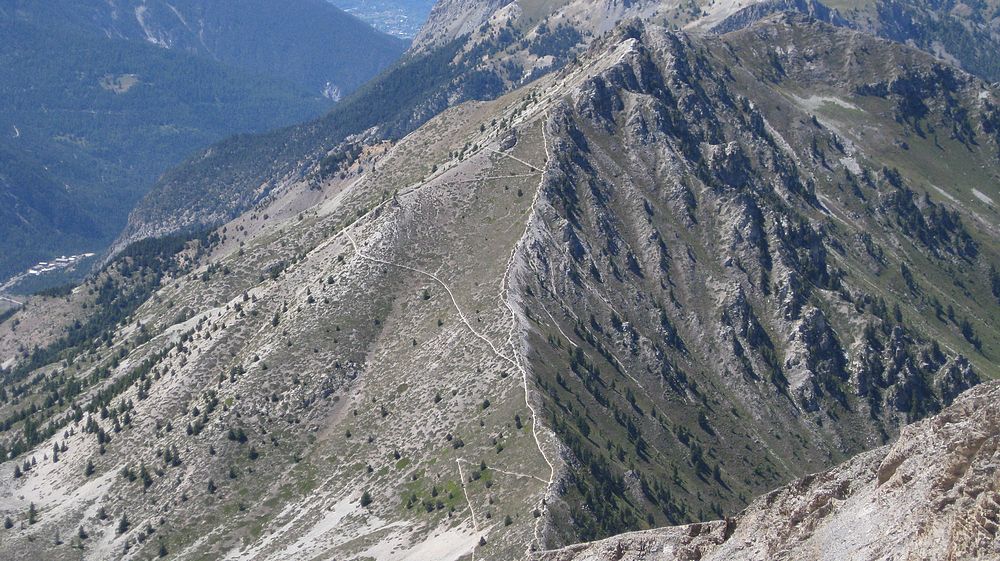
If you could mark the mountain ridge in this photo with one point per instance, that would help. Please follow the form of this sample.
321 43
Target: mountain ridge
483 50
680 272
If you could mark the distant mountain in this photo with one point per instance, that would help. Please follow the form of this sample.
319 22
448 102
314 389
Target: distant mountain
93 107
309 43
450 19
964 34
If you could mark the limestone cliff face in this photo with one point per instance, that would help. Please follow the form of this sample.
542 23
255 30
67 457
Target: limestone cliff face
450 19
934 494
695 279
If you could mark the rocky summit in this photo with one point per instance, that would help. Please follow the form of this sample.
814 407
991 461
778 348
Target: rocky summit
685 293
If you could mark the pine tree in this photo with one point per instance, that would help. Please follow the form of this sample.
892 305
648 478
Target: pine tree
89 469
32 514
123 524
366 499
144 476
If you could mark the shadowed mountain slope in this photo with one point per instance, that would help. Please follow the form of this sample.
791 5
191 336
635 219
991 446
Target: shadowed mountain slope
931 495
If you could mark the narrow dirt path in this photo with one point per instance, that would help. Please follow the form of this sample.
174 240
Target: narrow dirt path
503 296
461 479
512 359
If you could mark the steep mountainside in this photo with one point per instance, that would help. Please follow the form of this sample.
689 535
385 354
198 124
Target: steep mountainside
643 290
450 19
732 231
966 35
511 44
308 43
933 494
479 50
92 110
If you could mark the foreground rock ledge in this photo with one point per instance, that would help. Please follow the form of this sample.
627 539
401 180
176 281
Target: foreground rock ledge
934 494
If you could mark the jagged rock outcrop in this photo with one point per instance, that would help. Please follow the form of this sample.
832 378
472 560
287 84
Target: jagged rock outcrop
450 19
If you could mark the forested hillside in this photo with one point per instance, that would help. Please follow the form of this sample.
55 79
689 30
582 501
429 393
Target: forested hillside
94 106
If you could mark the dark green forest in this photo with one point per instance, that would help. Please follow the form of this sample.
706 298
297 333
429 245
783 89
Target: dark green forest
92 111
76 154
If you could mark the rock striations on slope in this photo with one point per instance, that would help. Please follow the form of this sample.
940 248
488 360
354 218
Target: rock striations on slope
640 292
